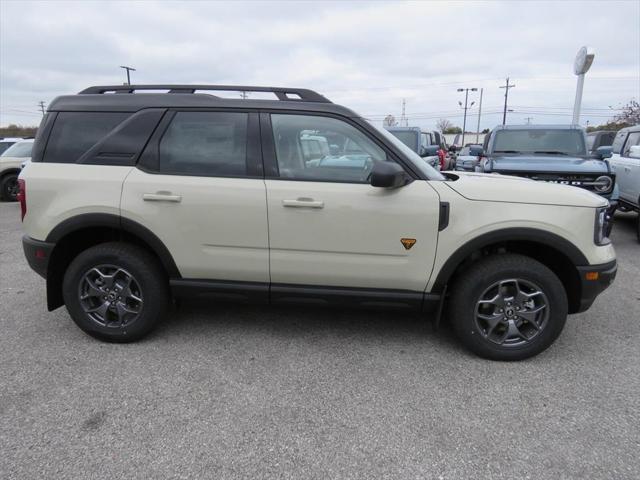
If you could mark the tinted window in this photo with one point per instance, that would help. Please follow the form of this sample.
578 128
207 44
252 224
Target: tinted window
591 139
4 146
205 144
539 140
619 141
19 150
76 132
349 157
408 137
634 139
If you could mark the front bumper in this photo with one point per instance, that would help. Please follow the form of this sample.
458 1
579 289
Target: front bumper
594 279
37 254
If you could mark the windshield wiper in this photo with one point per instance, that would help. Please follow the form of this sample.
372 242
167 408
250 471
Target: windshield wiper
552 152
506 151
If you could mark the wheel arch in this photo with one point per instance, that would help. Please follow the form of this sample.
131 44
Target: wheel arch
552 250
80 232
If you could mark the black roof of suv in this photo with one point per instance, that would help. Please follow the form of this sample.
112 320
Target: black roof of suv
123 98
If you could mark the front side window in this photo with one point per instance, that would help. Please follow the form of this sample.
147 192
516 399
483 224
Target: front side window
633 140
76 132
323 149
205 144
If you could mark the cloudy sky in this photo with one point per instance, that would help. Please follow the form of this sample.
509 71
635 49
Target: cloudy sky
366 55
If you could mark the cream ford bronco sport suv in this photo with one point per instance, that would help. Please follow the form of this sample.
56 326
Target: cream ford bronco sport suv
134 198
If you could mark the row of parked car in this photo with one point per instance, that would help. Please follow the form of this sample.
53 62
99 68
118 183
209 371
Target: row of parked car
605 162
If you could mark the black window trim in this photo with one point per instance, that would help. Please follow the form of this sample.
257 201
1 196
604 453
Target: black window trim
149 161
269 152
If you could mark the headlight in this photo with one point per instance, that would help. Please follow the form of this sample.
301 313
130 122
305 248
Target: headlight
603 184
600 227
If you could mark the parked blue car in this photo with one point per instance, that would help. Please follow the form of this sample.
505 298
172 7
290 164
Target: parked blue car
549 153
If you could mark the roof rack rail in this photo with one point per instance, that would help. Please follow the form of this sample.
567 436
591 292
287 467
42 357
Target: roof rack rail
284 94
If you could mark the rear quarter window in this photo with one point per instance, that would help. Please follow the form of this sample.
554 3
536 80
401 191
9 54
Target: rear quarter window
76 132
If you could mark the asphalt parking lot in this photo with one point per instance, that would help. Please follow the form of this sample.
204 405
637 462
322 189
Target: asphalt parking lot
229 391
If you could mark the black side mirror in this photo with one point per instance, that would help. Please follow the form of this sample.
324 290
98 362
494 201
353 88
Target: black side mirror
603 152
387 175
452 149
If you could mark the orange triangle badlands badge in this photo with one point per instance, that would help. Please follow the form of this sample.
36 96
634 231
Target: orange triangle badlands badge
407 243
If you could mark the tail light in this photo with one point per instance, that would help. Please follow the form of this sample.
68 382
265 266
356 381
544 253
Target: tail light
442 157
22 197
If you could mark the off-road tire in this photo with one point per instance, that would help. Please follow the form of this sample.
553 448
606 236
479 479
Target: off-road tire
148 276
472 283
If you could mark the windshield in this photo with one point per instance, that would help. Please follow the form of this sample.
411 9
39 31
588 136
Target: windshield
20 150
415 159
408 137
553 141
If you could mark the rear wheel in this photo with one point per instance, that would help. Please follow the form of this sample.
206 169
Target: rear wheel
9 187
508 307
116 292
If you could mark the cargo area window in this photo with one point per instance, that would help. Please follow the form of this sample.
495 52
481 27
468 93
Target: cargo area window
76 132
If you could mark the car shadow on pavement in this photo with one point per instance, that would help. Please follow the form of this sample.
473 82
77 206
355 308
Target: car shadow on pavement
199 317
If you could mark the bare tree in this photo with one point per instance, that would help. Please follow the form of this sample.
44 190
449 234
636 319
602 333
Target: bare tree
443 124
630 113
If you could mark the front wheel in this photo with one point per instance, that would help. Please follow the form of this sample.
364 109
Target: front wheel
508 307
116 292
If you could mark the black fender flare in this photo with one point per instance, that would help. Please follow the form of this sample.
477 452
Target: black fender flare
532 235
89 220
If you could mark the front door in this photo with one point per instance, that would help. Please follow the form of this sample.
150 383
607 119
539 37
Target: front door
327 225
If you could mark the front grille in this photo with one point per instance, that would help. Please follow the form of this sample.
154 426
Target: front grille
586 181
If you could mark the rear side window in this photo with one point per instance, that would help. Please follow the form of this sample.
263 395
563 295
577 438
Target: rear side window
76 132
205 144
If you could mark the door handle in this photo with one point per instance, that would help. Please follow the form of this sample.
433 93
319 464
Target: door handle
303 202
161 197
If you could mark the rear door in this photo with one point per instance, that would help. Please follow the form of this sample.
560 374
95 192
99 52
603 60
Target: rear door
327 225
198 186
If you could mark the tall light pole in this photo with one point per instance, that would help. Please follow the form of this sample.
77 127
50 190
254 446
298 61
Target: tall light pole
581 65
128 69
466 99
479 114
506 87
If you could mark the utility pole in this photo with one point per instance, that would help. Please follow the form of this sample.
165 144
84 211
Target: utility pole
243 95
528 119
466 99
403 117
41 105
479 114
506 87
128 69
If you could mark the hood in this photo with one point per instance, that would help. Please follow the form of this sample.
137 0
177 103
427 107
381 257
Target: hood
502 188
548 163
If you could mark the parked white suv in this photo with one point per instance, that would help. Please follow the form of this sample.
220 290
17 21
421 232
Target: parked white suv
132 199
625 162
11 161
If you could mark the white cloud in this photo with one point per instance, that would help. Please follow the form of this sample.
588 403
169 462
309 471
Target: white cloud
367 56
